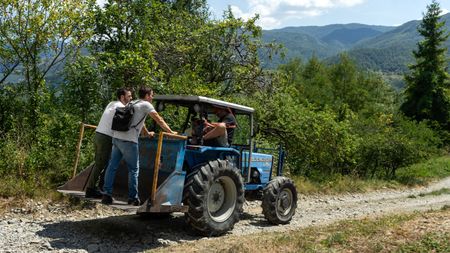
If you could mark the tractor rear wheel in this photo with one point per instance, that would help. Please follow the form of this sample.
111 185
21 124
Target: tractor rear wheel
215 196
279 200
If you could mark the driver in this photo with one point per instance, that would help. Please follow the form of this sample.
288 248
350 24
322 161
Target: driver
220 134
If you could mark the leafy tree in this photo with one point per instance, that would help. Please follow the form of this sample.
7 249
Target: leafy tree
341 86
390 142
348 86
316 141
37 35
318 86
196 7
229 55
8 63
427 92
338 119
174 47
83 94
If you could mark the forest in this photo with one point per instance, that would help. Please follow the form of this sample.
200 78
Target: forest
62 61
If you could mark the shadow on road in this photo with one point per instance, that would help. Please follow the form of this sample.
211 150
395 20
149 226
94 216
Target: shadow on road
128 233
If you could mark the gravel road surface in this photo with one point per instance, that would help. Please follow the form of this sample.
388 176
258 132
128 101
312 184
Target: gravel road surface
56 227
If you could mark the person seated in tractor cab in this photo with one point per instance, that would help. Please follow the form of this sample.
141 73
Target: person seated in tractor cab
196 130
220 134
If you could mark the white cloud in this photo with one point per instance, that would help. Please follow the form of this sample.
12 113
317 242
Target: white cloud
273 12
270 22
101 2
444 11
238 12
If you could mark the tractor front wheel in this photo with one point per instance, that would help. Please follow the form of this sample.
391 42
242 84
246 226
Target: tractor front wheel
279 200
215 196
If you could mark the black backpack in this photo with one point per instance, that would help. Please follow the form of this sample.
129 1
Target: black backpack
123 117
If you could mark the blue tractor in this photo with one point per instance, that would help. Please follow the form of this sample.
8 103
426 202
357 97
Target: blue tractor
178 173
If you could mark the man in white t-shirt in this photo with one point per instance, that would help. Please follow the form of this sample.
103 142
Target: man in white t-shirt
103 143
125 146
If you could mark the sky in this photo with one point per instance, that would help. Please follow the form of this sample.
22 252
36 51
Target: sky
275 14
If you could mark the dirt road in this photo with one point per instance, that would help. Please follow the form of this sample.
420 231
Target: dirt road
53 227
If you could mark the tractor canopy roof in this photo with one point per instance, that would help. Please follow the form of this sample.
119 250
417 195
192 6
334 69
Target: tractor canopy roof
199 102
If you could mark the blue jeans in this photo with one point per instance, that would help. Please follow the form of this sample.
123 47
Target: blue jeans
129 151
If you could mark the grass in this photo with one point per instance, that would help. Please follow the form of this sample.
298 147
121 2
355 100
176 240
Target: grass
418 232
431 242
417 174
13 186
39 186
342 184
436 193
424 172
17 191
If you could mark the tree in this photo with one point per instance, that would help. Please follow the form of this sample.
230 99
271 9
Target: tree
36 35
427 91
82 93
175 48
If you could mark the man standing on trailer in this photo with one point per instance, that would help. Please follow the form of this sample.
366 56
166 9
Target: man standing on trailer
103 143
125 145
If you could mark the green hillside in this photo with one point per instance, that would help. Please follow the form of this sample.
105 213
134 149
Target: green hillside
391 51
321 41
322 31
349 37
378 48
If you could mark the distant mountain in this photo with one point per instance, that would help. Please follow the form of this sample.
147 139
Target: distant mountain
321 41
380 48
390 51
348 37
322 31
300 44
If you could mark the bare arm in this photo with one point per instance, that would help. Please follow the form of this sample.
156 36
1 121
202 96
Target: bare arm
145 132
211 124
160 121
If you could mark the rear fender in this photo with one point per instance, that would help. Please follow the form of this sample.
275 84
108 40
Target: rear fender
198 155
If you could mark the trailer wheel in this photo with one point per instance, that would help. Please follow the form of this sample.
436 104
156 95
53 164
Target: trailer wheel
215 196
279 200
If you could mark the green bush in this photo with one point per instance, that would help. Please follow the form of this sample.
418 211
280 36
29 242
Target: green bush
45 162
423 172
339 119
316 142
389 144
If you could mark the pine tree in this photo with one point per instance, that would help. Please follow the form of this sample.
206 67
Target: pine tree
427 91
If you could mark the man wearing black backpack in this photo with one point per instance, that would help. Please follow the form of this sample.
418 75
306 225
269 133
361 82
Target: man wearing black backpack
103 143
125 146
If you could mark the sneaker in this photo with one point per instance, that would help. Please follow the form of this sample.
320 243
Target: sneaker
107 200
134 202
93 193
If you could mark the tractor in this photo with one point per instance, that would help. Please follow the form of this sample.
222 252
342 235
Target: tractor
209 184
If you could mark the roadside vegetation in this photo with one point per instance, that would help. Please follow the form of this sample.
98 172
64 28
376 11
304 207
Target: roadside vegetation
344 128
419 174
418 232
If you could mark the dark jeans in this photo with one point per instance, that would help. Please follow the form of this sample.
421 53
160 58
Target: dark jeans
129 151
102 146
